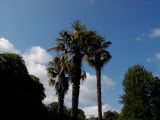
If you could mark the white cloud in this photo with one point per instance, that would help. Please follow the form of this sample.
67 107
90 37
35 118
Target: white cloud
7 46
155 33
36 59
50 98
152 34
93 110
88 89
158 56
37 54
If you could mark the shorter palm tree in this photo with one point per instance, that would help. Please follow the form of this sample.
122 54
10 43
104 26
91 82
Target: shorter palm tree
59 69
97 55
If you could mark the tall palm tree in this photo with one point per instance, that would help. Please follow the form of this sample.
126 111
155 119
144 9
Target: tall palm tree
59 68
73 44
97 55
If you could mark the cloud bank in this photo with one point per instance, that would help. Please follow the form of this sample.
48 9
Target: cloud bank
6 46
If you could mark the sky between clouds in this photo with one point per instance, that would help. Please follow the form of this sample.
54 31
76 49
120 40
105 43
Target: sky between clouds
30 27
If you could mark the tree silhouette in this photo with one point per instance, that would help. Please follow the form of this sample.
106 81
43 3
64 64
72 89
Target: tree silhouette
22 93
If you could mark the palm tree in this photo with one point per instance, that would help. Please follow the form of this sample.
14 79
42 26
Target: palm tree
97 56
73 44
58 68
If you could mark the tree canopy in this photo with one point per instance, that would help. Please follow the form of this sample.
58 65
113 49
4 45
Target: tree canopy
139 94
22 93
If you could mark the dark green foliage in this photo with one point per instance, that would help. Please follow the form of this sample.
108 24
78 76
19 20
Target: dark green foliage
81 115
12 63
141 88
110 115
92 118
21 93
155 98
53 112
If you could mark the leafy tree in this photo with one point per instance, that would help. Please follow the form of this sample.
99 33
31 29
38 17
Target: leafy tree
110 115
22 93
53 112
140 91
81 115
59 68
97 55
155 98
92 117
53 107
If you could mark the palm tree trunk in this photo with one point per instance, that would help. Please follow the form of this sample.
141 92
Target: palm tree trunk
76 76
98 76
75 100
60 106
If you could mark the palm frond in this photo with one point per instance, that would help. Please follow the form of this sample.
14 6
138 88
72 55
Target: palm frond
83 75
52 82
78 25
106 44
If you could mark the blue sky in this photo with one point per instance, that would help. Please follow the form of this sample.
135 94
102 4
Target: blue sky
133 27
